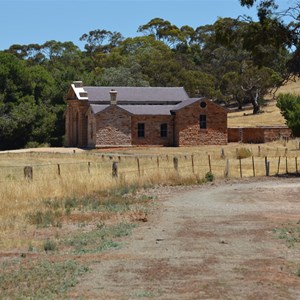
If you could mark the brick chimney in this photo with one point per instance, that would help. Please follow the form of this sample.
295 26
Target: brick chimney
113 97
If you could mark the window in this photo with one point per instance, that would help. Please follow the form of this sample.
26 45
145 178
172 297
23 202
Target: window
202 121
202 104
141 130
164 130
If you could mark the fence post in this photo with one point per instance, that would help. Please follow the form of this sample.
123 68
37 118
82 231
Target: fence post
138 165
193 166
115 169
267 166
157 161
258 150
222 153
89 167
226 173
28 173
253 166
175 163
209 163
241 171
58 169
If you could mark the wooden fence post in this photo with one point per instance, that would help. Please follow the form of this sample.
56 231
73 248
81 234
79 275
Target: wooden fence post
115 170
58 169
222 153
267 166
157 162
253 166
241 171
28 173
138 165
193 166
278 165
209 163
226 172
175 163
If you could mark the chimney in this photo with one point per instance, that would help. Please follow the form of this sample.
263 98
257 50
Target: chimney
78 84
113 97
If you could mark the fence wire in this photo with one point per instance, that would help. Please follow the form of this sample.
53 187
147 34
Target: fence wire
183 165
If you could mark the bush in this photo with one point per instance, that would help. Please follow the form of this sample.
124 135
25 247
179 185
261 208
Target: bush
209 177
289 106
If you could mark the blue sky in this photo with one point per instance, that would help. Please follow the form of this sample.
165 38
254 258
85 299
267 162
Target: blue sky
38 21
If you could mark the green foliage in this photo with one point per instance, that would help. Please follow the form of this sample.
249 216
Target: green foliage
289 106
39 279
209 177
216 60
49 245
45 218
100 239
289 233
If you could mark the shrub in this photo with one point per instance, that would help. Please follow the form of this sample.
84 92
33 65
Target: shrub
289 106
50 245
209 177
243 153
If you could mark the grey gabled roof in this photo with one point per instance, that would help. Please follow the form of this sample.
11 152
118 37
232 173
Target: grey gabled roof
185 103
137 109
138 94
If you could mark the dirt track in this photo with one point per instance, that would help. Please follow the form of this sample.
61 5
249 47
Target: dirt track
211 242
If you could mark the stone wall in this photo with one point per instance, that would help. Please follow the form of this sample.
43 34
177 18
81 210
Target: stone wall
152 130
258 134
113 127
187 128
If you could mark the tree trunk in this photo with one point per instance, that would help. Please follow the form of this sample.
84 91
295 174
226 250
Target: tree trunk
254 101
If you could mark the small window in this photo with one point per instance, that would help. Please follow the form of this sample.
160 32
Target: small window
202 104
164 130
141 130
202 122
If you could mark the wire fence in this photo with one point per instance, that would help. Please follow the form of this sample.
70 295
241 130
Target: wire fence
141 166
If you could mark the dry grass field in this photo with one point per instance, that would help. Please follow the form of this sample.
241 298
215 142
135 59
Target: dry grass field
270 116
73 189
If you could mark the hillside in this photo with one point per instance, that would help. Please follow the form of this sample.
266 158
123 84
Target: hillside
271 115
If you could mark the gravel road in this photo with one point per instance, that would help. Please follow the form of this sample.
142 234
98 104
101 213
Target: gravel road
215 241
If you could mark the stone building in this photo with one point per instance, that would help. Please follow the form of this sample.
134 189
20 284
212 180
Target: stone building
127 116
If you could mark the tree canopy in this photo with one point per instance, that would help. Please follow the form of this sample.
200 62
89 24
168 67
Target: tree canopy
231 61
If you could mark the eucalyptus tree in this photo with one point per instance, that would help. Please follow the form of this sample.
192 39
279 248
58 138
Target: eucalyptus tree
277 31
26 111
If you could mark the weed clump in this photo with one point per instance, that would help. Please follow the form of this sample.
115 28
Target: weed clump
243 153
209 177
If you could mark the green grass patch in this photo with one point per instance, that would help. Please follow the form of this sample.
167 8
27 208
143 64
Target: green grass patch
289 233
39 279
100 239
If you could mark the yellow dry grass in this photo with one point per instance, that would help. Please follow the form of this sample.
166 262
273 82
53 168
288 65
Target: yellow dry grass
89 171
84 174
271 115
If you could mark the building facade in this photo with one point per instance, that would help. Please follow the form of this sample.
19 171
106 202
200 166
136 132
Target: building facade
127 116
